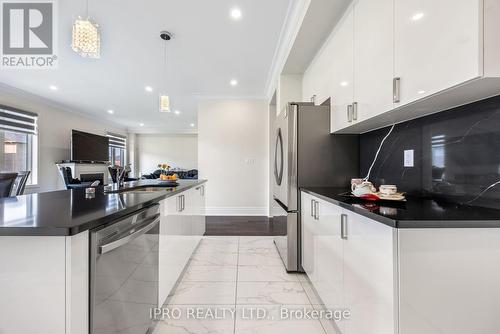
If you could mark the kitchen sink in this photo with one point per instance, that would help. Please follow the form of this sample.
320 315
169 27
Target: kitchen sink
139 189
146 189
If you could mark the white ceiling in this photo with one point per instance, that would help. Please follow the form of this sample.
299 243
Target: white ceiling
207 51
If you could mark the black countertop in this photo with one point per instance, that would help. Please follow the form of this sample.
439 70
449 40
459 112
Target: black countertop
414 213
69 212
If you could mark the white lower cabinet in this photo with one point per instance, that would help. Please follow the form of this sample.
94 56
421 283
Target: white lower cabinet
44 284
405 280
182 226
370 268
351 261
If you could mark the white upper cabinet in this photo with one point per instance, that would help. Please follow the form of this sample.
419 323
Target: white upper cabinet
373 58
437 45
389 61
342 72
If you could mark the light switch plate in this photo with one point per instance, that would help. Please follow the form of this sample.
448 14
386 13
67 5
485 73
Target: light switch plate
408 159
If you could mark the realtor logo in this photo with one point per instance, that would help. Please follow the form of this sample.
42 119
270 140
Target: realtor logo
28 34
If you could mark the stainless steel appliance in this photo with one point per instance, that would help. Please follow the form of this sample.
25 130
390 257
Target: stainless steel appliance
124 273
306 155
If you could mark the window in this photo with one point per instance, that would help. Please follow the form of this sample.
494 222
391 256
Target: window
117 149
18 142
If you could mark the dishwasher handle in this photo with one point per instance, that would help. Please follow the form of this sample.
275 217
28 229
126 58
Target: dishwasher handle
126 239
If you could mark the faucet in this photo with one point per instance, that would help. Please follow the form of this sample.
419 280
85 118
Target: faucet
120 173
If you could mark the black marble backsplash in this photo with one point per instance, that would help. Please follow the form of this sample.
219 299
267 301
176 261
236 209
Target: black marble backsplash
456 155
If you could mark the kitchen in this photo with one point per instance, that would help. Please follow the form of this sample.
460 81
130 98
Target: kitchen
379 132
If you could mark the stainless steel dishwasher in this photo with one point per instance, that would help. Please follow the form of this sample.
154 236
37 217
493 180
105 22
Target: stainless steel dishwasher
124 273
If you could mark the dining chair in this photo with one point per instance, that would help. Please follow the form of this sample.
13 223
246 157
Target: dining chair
20 183
6 183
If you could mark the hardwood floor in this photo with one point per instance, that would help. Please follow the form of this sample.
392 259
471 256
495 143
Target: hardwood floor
243 226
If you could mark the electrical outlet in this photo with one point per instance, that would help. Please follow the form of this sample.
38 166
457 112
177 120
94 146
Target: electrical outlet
250 161
408 158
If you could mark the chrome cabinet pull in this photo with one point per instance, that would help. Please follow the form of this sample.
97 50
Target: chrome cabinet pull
349 113
316 210
355 111
312 208
343 226
179 203
183 201
396 90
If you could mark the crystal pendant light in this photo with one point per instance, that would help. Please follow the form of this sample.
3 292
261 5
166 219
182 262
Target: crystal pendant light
164 99
86 37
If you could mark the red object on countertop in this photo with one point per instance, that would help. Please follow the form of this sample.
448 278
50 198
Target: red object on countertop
370 197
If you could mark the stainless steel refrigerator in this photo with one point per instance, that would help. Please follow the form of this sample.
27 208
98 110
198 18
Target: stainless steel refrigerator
306 155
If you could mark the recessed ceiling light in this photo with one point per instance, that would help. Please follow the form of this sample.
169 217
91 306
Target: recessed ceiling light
191 125
417 16
53 87
110 111
177 112
148 89
421 91
344 83
141 124
236 14
233 82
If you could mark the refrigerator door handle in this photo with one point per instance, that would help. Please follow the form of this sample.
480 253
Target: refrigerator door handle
278 149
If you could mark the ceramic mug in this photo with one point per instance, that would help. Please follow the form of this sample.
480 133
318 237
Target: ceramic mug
357 181
388 189
365 187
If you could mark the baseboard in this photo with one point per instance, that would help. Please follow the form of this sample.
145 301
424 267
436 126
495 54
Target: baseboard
237 211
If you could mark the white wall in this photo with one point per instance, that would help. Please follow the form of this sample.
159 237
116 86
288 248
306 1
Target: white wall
233 155
54 131
177 150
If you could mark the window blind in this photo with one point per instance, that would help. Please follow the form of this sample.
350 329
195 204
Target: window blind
117 141
13 119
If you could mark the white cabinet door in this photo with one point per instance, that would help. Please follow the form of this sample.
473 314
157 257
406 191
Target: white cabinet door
437 45
329 254
373 58
198 210
175 246
342 71
307 224
369 276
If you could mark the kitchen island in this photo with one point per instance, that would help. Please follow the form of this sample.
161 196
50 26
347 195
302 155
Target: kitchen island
46 242
403 268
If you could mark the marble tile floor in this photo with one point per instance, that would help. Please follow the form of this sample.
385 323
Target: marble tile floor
238 285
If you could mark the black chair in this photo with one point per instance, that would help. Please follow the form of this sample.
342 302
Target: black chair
6 183
70 182
20 183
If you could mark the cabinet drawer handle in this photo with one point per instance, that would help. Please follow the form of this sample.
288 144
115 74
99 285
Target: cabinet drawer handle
343 226
312 208
355 111
349 113
396 90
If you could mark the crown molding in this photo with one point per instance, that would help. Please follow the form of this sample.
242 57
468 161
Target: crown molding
293 20
203 97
